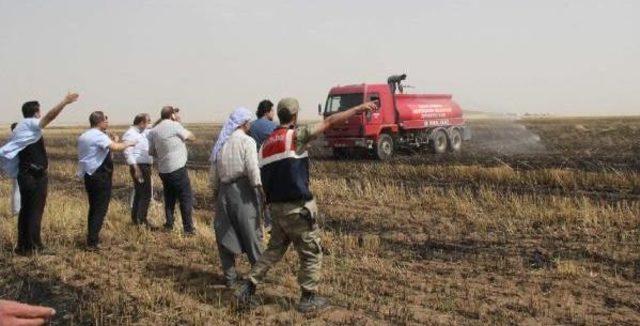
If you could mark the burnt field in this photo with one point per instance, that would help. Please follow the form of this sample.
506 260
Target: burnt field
536 221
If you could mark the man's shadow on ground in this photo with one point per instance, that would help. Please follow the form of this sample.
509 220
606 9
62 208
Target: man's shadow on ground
206 286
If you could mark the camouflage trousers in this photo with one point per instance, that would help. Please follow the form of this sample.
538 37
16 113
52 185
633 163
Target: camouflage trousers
289 225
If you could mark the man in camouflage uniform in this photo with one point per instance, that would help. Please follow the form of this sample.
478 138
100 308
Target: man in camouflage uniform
284 165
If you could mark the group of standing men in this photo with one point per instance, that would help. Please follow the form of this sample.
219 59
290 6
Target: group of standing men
24 158
165 144
259 172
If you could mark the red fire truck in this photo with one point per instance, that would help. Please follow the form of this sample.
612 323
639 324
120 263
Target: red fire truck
401 121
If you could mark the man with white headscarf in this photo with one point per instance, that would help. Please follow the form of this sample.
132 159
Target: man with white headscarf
235 177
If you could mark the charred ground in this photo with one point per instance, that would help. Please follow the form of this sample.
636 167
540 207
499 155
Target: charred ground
535 221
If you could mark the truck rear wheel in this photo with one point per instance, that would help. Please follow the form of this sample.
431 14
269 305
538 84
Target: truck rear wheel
439 143
455 140
384 147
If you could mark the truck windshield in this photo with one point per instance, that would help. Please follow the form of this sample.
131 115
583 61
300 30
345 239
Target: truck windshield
336 103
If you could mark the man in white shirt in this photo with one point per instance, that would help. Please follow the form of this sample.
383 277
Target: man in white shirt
236 179
167 144
96 167
139 162
25 157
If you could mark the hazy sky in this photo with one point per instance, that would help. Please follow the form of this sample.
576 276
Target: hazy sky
124 57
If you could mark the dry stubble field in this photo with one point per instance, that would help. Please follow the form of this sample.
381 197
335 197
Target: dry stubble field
536 222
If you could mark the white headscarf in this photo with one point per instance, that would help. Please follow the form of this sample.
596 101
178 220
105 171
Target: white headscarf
237 118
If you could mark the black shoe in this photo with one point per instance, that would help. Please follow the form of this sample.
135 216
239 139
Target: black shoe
93 248
23 251
310 302
189 234
167 228
244 293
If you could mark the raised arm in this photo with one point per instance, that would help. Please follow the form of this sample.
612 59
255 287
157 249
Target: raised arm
55 111
341 117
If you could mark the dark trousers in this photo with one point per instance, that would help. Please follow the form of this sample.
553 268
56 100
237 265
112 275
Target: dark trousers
98 186
177 187
142 195
33 198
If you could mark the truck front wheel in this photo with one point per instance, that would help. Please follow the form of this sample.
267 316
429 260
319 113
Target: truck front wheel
384 147
439 143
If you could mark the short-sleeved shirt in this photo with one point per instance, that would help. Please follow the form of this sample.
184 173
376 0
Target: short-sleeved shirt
27 133
261 129
33 155
138 154
93 149
167 146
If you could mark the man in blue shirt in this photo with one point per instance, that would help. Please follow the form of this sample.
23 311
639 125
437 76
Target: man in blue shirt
260 131
264 126
96 167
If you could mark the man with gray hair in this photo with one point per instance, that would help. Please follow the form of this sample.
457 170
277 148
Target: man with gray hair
167 144
139 162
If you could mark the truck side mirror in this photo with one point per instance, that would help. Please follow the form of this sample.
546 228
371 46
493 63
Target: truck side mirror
319 109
